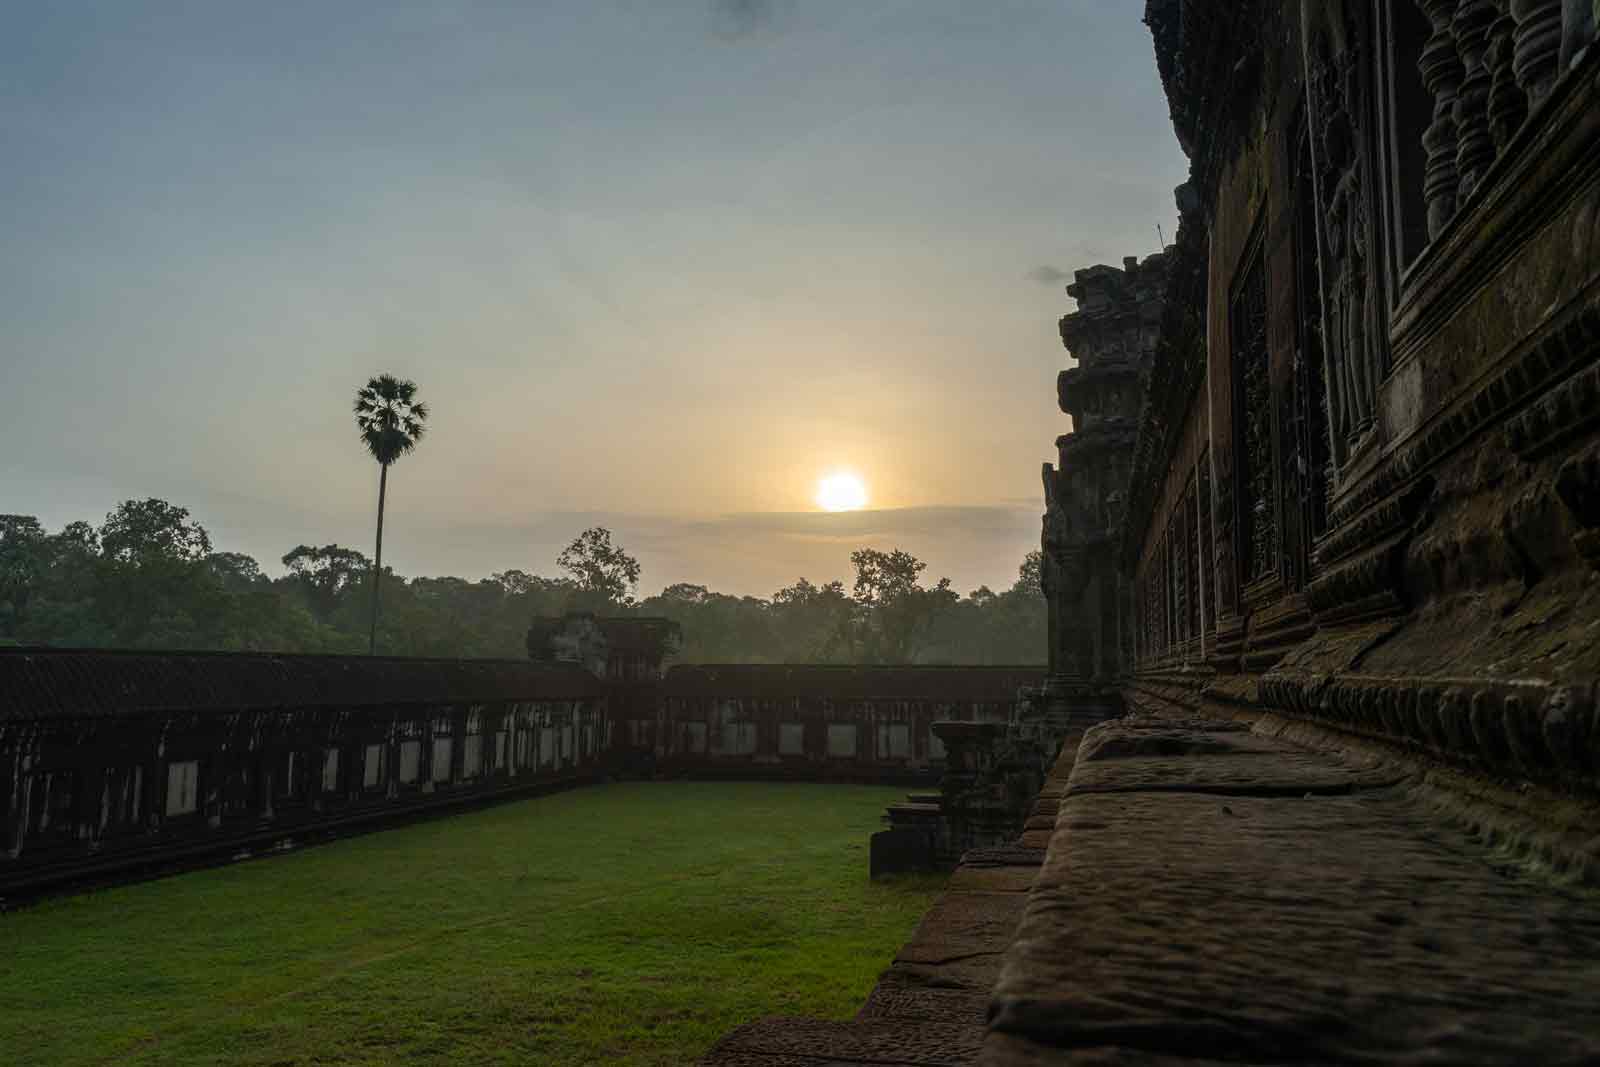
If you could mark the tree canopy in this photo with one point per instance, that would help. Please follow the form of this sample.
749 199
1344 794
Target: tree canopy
148 577
601 568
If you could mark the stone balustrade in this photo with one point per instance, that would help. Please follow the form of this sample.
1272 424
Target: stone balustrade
1488 65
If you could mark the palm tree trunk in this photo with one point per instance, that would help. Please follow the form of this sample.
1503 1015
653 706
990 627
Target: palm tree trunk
377 562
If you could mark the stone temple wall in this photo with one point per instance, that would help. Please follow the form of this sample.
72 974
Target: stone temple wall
1112 336
117 763
1363 493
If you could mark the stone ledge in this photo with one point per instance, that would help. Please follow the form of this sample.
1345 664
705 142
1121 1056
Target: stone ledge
1176 926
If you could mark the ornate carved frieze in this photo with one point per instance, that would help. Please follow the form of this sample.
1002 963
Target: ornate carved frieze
1553 354
1555 418
1350 343
1545 732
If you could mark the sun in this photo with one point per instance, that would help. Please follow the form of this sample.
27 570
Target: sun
841 491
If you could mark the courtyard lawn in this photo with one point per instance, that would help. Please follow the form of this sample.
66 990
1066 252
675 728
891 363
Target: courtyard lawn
629 923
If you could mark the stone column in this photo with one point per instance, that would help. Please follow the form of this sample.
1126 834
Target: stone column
1508 104
1474 146
1537 58
1440 67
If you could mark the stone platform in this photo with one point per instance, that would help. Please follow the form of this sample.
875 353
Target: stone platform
1213 893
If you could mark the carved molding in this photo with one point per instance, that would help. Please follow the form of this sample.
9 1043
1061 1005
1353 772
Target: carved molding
1557 417
1578 486
1364 587
1552 354
1538 730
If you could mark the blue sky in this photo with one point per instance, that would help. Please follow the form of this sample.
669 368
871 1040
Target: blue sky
659 263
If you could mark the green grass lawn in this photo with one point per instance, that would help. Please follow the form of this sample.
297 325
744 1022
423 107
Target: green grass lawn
631 923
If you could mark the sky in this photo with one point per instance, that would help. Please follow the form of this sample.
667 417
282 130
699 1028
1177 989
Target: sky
658 265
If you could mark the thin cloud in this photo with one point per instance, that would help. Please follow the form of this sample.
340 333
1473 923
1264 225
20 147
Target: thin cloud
1048 275
755 553
734 20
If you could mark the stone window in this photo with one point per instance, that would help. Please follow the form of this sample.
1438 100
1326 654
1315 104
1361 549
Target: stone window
842 740
293 783
640 733
694 737
56 793
1253 438
372 767
566 744
183 787
547 745
935 746
739 739
126 795
894 740
1408 115
444 749
472 746
791 739
502 746
410 761
330 770
1191 556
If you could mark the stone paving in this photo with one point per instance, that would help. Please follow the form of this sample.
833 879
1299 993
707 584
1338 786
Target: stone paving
1210 892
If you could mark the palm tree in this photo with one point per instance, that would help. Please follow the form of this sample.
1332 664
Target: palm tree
390 421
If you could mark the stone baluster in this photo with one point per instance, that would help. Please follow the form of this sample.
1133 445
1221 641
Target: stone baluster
1577 28
1440 67
1508 106
1538 46
1474 147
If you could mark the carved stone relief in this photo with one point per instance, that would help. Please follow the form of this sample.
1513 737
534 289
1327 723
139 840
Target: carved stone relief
1345 241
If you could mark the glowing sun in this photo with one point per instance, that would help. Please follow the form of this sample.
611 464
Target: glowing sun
843 491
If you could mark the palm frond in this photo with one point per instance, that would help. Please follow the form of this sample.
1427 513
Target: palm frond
388 419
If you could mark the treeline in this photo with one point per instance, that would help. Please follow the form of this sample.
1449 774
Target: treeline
148 577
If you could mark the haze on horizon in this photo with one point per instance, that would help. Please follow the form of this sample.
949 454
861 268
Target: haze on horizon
655 265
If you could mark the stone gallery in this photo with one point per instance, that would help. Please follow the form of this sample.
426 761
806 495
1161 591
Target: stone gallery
120 764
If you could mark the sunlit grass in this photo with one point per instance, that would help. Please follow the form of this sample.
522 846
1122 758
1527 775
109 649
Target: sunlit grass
630 923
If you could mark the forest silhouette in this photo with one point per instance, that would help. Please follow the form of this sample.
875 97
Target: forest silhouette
149 577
